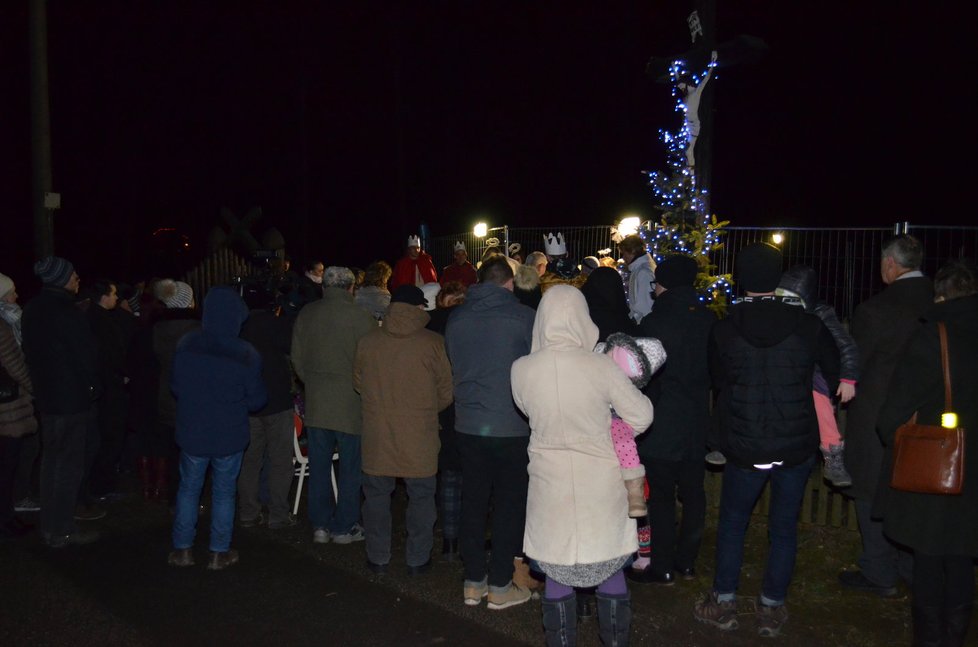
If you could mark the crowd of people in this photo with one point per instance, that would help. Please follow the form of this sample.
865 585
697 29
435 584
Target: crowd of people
529 406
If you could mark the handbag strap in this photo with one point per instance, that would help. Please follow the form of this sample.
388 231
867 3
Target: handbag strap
945 366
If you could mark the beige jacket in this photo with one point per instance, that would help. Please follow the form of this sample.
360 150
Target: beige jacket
576 509
404 379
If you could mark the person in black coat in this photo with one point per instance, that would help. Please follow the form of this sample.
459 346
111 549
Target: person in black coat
112 328
942 530
762 357
61 354
672 451
881 327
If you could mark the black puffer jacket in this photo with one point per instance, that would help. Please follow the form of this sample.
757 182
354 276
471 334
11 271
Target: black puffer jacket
803 281
762 358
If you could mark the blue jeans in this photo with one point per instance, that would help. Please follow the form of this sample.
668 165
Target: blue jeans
224 479
335 515
741 489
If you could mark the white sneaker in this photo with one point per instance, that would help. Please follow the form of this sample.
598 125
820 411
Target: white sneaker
355 534
320 536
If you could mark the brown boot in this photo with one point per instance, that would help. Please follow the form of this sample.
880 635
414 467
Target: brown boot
145 470
636 497
162 474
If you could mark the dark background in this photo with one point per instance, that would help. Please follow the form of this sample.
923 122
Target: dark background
349 123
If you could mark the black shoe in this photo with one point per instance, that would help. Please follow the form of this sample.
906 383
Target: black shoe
648 576
89 512
220 561
252 522
857 581
289 522
419 570
686 573
376 569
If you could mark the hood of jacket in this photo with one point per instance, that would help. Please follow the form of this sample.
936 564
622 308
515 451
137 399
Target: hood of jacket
765 321
562 322
488 296
802 281
224 312
404 319
604 290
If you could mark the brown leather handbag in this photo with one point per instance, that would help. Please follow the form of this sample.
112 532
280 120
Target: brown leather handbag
929 459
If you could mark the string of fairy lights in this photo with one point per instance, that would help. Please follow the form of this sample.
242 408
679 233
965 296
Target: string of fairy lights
678 195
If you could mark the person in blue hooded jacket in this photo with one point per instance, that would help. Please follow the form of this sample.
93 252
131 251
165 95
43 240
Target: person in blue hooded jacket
216 380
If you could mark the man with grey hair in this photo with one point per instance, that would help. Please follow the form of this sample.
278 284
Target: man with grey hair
538 261
881 327
324 343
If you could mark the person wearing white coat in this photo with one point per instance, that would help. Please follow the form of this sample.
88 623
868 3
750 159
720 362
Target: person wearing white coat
577 524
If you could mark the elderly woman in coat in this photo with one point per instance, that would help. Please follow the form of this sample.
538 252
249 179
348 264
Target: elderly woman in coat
941 529
16 408
577 524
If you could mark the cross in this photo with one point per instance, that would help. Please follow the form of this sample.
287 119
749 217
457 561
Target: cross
701 23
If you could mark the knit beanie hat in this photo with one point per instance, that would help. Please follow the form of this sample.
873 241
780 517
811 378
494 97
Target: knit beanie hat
6 285
759 268
175 294
54 270
676 271
410 294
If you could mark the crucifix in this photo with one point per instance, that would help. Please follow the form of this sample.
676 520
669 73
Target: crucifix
704 53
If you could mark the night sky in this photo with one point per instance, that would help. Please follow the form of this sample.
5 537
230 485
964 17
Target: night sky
370 117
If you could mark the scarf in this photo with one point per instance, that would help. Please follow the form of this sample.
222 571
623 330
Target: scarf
11 312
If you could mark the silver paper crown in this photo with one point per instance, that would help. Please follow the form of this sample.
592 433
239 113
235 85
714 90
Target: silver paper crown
414 241
554 244
459 247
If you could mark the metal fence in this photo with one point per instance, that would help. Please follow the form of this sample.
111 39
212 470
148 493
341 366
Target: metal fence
846 258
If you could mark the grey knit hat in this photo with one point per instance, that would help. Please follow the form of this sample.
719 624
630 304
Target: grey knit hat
54 270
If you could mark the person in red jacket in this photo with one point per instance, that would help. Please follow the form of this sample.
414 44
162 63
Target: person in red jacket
414 268
461 270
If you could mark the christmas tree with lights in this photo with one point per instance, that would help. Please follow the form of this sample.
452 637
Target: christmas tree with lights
685 226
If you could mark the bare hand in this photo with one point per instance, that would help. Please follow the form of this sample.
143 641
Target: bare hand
846 392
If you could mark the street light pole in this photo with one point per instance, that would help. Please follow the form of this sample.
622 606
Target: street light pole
42 199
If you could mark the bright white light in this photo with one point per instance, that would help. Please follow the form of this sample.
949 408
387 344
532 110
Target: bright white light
629 225
481 230
777 238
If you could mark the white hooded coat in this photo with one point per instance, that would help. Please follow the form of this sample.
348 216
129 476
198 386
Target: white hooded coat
577 509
